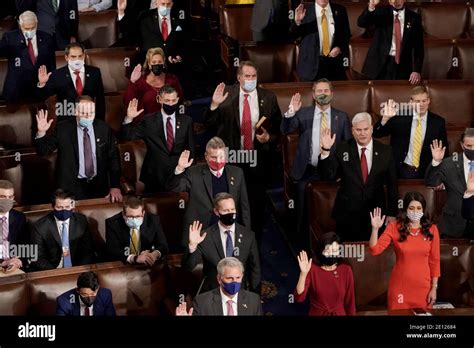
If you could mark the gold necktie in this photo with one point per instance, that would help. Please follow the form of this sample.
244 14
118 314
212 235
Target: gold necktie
417 143
325 29
324 125
134 242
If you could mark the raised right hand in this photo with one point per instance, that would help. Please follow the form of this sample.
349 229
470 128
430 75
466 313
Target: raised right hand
389 109
218 97
295 103
437 150
42 122
327 141
136 73
43 75
373 3
132 111
181 310
195 234
376 218
300 12
304 263
121 6
184 162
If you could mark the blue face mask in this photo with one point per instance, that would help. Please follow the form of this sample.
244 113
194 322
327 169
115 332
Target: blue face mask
86 122
164 11
231 288
63 214
134 222
250 85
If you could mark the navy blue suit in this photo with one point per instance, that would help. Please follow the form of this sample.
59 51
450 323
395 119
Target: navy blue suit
69 303
22 75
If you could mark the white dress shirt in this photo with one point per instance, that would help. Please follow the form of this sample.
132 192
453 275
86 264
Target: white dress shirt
82 75
316 133
34 42
401 17
173 123
414 123
368 153
331 25
168 21
222 230
225 298
59 225
254 110
83 309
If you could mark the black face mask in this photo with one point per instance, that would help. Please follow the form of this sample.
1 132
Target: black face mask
88 301
169 109
157 69
328 261
469 154
227 219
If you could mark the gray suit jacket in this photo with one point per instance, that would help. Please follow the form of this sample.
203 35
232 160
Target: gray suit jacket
451 174
210 303
303 122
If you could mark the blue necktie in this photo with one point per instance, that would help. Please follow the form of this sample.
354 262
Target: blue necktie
471 166
65 239
229 246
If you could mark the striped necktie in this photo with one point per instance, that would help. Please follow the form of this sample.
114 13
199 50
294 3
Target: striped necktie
417 143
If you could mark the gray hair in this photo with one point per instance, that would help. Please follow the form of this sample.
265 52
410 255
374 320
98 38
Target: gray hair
361 116
27 16
229 262
215 143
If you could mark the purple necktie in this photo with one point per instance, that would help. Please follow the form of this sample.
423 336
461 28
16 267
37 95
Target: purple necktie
88 161
230 308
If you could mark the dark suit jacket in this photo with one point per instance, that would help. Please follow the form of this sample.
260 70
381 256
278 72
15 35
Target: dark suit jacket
128 26
451 173
468 208
303 122
103 305
60 84
399 129
159 163
353 195
197 181
22 75
412 45
18 233
308 61
210 252
46 236
64 139
117 236
210 303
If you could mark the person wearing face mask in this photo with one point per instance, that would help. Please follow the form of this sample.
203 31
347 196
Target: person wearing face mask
309 122
72 81
26 49
415 239
204 181
62 237
145 85
166 133
453 172
226 238
228 298
88 163
135 236
13 224
87 299
329 282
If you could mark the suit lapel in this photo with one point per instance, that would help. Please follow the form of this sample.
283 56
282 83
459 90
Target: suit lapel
69 78
216 237
429 132
239 240
406 27
242 305
235 94
54 230
217 303
86 77
11 226
75 141
161 129
206 177
355 160
231 181
460 169
375 160
156 26
72 233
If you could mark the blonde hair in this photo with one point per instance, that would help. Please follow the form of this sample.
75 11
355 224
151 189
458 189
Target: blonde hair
149 55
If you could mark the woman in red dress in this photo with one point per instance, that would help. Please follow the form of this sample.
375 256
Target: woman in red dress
329 282
145 83
415 239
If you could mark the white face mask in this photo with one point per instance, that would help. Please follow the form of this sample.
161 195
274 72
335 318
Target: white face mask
415 216
29 34
76 64
164 11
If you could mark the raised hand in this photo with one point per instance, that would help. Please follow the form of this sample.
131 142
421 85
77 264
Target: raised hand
132 111
121 6
376 218
327 140
437 150
181 310
373 3
300 12
43 75
42 122
295 104
195 234
184 161
304 263
389 109
136 73
218 97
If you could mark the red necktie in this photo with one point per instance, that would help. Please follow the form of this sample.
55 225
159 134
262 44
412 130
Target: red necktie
31 52
397 30
246 126
164 29
363 165
87 313
169 135
79 87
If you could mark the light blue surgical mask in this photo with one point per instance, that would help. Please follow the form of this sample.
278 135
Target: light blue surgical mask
250 85
135 222
86 122
29 34
164 11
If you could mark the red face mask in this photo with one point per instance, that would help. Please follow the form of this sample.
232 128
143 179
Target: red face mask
216 166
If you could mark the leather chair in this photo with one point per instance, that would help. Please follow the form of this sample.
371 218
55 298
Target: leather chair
354 9
132 154
381 91
357 53
454 139
3 72
115 111
405 186
465 54
284 92
17 125
15 297
445 21
438 61
7 24
351 97
98 29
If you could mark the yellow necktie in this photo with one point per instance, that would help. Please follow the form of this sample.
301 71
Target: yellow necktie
324 125
417 143
134 242
325 29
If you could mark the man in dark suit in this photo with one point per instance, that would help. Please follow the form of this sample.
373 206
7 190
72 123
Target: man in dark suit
88 164
204 181
229 299
453 172
325 34
26 49
166 134
59 18
224 239
72 81
62 237
134 236
129 13
397 50
411 134
88 299
364 166
234 113
13 225
270 20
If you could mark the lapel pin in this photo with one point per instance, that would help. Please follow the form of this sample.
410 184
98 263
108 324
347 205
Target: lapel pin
177 127
98 139
87 75
232 183
244 305
376 154
408 25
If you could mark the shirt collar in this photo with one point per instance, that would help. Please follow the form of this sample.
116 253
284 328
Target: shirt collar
222 229
165 115
213 172
226 298
82 71
319 8
368 147
319 110
401 13
252 94
60 222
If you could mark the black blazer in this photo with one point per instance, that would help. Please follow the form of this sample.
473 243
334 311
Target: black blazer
60 84
197 181
399 129
210 251
22 75
46 236
64 139
117 236
353 195
210 303
159 163
412 45
103 305
310 46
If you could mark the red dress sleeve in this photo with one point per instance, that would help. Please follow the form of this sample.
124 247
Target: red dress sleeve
349 297
134 90
301 297
434 259
384 240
